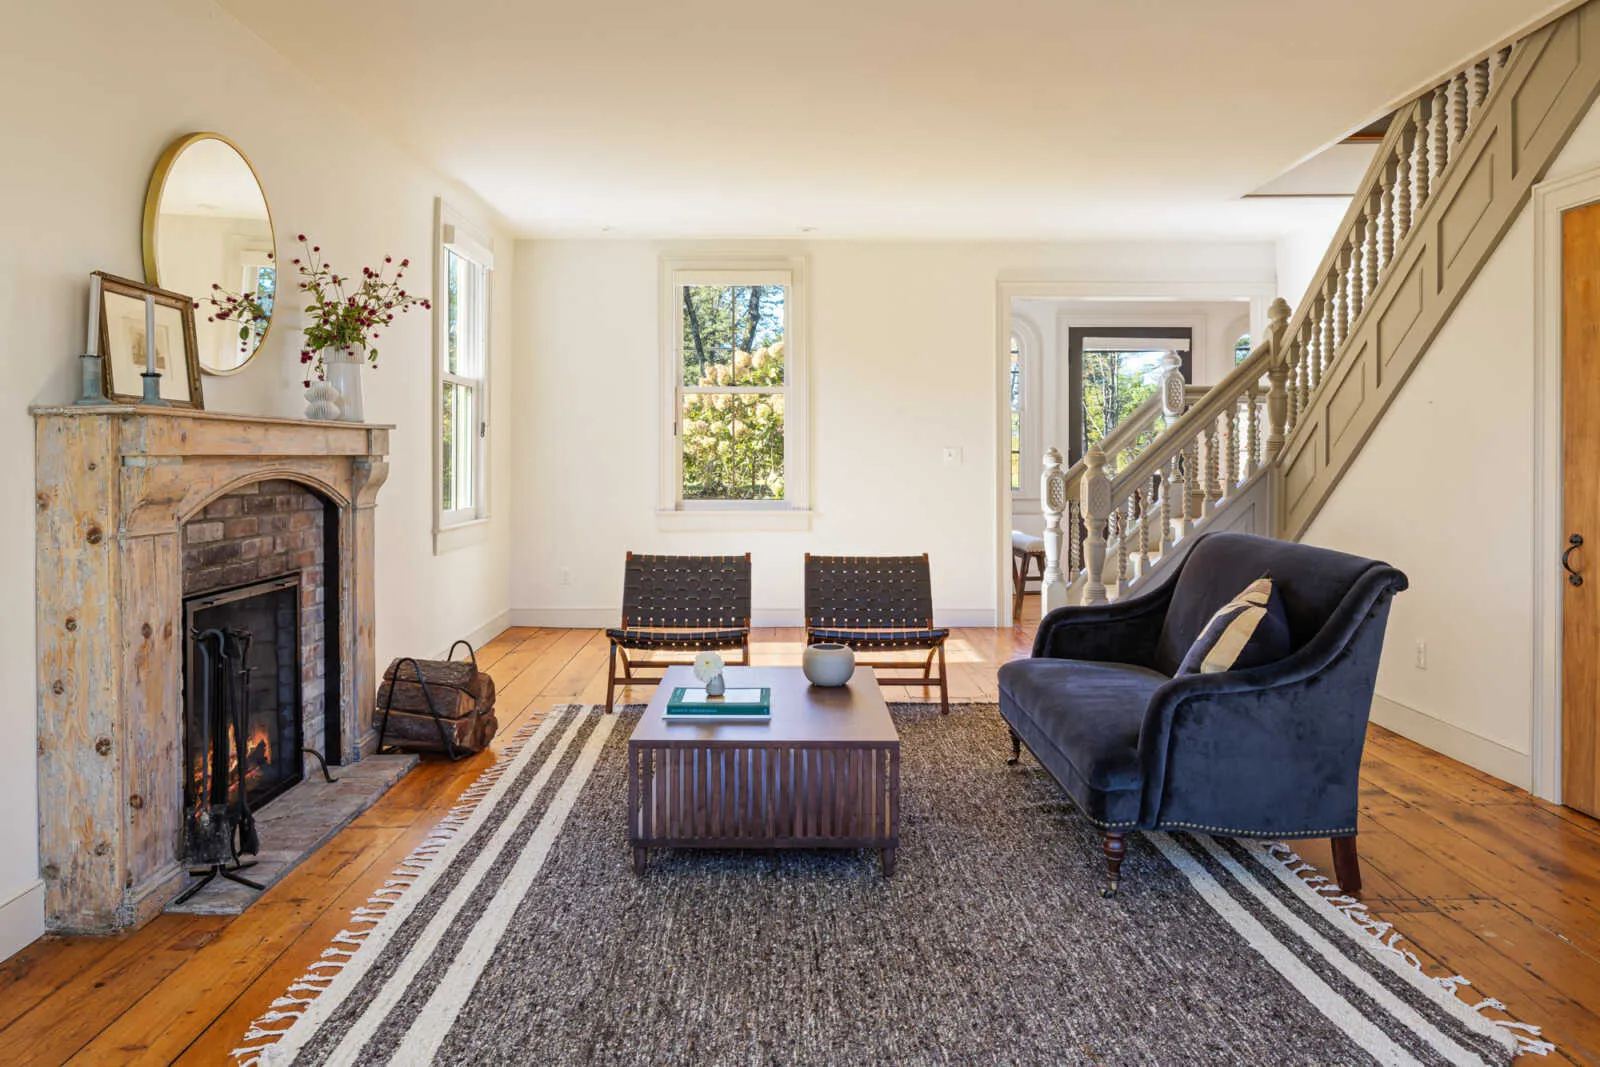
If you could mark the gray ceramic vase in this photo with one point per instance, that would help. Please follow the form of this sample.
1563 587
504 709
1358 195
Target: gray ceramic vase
828 664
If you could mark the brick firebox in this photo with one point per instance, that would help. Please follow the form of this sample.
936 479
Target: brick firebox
270 529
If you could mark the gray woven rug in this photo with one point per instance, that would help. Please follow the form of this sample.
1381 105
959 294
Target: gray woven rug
519 934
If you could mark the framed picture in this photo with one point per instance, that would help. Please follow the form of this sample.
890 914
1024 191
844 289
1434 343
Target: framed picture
124 348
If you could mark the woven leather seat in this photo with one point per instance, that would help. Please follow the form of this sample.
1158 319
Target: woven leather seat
881 639
702 639
679 604
878 604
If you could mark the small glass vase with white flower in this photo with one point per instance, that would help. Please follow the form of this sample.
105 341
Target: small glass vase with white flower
713 701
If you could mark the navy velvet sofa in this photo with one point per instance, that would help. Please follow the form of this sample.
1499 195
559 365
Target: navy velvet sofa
1273 751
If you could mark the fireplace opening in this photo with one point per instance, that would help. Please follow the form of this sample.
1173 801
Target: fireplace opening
243 720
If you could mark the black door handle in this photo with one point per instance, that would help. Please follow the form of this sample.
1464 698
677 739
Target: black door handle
1574 543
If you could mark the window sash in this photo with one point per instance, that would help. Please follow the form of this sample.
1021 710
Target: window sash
461 389
681 280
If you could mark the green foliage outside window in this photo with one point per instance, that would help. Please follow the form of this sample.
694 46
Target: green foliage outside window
1114 384
731 425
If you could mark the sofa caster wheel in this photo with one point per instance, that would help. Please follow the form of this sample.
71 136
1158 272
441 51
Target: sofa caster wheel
1109 891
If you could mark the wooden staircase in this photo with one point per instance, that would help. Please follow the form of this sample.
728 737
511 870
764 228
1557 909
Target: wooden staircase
1264 448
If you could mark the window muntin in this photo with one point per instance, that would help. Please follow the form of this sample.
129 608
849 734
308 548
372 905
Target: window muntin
1241 349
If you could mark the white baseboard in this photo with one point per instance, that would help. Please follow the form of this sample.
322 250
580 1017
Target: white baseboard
21 919
487 632
1454 741
592 618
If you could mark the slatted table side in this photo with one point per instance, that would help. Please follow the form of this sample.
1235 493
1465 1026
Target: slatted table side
763 795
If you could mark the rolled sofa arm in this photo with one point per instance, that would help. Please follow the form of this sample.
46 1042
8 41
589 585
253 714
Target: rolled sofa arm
1276 749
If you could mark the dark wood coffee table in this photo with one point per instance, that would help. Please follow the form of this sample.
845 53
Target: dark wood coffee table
823 773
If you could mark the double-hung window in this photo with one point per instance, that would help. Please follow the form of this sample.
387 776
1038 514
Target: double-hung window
733 413
461 311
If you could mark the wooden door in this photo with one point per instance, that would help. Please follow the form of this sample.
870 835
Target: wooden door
1580 583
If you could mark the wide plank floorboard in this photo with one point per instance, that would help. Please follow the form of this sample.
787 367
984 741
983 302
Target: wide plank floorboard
1483 879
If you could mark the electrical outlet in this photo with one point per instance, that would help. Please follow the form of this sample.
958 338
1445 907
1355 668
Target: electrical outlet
566 575
1422 655
952 456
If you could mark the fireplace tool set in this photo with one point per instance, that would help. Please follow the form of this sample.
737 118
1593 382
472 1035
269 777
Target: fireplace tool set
221 828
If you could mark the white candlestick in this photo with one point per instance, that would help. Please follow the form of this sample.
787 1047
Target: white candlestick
94 315
149 334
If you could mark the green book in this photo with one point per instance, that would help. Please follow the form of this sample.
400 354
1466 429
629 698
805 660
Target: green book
736 703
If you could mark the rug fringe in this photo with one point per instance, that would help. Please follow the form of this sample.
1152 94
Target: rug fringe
1528 1037
270 1027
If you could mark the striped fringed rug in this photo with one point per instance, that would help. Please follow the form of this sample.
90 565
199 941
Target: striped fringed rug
519 934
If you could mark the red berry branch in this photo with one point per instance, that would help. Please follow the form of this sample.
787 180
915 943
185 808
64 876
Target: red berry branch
339 316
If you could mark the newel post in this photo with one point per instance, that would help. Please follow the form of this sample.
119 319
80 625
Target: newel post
1053 502
1277 378
1096 513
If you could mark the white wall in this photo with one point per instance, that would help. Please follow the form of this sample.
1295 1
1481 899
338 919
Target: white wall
97 89
903 341
1443 490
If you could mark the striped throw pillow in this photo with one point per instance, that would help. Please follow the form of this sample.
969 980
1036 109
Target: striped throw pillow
1248 631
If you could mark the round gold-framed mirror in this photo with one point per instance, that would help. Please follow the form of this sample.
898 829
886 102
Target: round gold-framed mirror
208 234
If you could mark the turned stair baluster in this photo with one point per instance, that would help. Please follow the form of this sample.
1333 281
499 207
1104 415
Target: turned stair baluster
1252 440
1186 486
1096 499
1357 299
1438 137
1456 115
1213 489
1146 497
1369 260
1169 471
1477 91
1120 535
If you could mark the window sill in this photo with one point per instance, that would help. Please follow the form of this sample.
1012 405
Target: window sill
460 535
692 520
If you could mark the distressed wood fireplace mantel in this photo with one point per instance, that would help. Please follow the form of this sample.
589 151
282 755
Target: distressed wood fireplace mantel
115 484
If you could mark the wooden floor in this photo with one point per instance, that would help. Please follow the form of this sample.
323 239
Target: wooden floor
1484 880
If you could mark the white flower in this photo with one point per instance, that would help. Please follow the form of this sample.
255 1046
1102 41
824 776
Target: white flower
707 665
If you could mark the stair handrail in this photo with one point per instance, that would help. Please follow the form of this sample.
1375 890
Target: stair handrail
1110 508
1424 139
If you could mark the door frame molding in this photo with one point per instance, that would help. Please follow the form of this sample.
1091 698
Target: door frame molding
1011 284
1551 200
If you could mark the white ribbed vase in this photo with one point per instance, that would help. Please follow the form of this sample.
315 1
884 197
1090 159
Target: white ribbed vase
343 367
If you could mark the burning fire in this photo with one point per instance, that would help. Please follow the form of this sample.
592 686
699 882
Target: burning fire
258 762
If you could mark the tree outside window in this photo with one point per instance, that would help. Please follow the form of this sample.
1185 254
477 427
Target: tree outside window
1114 384
733 391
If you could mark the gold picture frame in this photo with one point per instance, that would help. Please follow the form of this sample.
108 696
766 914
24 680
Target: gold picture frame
122 342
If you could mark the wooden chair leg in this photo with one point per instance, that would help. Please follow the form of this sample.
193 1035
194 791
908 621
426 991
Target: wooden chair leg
1347 865
1019 582
944 684
1114 847
611 679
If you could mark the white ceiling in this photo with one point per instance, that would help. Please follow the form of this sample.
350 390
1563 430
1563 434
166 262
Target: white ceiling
879 118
